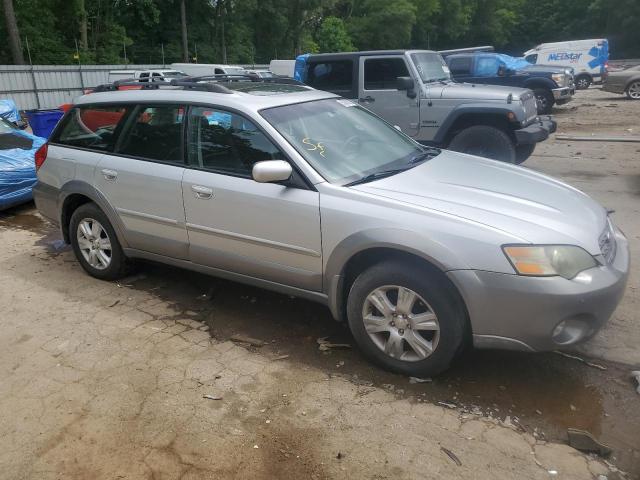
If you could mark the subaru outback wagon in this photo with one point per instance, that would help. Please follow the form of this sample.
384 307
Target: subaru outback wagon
297 190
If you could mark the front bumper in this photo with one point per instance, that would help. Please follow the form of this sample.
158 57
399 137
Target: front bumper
521 313
563 94
537 132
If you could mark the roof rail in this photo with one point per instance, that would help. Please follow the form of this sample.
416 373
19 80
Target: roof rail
208 83
240 77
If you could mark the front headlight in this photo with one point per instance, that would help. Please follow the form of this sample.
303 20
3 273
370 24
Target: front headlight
549 260
559 78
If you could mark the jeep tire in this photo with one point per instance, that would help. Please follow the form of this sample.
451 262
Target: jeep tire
484 141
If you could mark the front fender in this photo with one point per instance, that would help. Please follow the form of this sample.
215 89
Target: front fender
476 109
540 82
405 241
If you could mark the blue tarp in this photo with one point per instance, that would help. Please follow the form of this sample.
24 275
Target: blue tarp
487 64
298 69
18 172
9 111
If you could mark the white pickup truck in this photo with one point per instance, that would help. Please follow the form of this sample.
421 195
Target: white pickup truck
159 75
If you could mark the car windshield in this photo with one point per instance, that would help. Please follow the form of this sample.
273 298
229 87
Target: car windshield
431 67
344 142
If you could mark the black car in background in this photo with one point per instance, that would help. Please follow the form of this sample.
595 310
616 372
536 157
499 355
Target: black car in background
551 85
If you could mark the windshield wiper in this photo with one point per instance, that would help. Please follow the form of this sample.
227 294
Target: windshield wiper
427 154
375 176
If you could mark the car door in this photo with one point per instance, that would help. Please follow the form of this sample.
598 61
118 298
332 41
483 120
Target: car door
142 179
269 231
378 92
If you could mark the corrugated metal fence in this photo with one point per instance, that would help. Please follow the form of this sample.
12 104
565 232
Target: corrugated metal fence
49 86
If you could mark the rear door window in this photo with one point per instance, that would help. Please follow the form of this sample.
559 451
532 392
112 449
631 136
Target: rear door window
154 133
333 76
487 66
382 73
92 127
460 66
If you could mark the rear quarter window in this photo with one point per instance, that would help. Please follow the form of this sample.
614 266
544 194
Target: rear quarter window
332 76
91 127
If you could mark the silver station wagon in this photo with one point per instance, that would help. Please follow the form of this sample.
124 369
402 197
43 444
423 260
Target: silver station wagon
422 251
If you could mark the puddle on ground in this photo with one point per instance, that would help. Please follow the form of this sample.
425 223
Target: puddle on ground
23 217
542 393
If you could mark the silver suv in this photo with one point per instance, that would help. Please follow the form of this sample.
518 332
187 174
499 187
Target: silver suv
421 250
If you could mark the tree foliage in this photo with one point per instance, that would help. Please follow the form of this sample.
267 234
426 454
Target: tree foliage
256 31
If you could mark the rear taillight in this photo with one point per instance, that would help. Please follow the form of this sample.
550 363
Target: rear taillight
41 156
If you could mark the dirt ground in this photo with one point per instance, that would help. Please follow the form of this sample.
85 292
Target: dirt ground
106 380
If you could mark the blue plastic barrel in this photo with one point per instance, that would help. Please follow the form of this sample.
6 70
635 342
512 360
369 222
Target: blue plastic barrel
43 121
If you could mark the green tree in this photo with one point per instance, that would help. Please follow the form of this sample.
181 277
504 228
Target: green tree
382 24
333 36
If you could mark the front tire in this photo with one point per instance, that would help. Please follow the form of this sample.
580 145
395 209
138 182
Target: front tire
405 319
523 152
633 91
95 243
583 82
484 141
544 101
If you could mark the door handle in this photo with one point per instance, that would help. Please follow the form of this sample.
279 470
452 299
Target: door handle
202 192
368 98
109 175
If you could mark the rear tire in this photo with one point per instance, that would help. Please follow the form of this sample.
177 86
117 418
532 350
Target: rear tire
523 152
416 338
95 243
484 141
633 90
582 82
544 100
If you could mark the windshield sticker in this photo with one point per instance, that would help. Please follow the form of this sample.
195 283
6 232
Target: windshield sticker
312 147
346 103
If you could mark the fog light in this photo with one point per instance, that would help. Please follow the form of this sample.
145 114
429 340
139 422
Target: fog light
573 329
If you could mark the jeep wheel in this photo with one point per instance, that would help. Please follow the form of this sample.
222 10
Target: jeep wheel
405 319
523 152
95 243
484 141
544 100
633 91
583 82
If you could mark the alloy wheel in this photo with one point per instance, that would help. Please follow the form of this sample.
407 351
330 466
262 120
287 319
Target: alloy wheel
94 243
401 323
582 83
634 90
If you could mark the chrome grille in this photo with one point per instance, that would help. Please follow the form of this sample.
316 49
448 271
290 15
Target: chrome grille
530 106
607 242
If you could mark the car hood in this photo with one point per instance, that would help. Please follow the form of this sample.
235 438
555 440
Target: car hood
544 69
528 206
453 90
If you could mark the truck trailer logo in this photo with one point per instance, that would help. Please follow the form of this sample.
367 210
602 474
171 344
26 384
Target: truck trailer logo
564 56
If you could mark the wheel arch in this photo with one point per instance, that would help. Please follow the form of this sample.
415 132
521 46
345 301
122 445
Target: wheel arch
630 81
76 193
468 117
362 250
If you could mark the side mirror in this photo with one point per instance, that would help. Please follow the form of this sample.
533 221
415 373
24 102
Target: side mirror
406 83
270 171
502 71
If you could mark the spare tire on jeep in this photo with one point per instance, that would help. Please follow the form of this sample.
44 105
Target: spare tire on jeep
484 141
